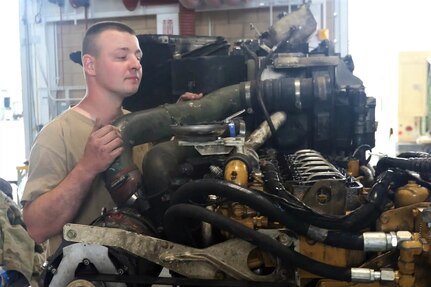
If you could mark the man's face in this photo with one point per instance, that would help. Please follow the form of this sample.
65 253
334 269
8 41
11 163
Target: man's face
117 66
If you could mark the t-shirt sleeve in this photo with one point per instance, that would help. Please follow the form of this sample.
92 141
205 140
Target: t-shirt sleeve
47 166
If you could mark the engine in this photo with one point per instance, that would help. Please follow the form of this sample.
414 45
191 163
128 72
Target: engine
263 182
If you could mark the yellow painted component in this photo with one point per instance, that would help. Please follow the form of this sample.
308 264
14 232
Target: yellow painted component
80 283
353 167
257 258
410 193
402 218
323 34
409 249
406 281
236 171
406 262
327 254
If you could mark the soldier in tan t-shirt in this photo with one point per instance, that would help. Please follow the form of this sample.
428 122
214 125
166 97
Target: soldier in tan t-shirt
70 153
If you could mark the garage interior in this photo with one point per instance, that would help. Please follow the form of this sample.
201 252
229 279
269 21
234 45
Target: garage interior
307 163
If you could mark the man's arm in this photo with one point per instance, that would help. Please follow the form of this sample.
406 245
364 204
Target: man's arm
47 214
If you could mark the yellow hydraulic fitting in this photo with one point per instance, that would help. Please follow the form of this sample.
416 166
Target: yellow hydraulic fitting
410 193
408 250
353 167
406 281
236 171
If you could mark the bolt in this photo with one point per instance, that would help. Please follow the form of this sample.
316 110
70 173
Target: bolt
71 234
86 261
164 244
233 175
120 271
284 239
167 258
53 270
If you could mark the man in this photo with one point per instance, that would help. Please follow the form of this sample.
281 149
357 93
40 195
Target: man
70 153
6 188
20 258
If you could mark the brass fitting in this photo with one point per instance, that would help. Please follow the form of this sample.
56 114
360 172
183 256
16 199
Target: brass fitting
410 193
236 171
408 251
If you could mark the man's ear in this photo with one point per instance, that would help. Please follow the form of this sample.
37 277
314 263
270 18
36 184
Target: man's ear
88 64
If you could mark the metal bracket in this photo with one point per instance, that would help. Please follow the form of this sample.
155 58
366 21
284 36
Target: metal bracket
228 258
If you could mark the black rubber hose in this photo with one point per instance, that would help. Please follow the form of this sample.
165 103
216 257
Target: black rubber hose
425 176
178 216
367 171
417 154
201 188
267 117
360 154
378 195
413 164
162 166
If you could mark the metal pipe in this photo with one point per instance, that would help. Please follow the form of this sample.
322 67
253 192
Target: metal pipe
262 133
122 178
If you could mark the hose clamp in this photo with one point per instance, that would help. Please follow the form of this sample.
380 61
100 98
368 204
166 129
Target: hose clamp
298 103
247 90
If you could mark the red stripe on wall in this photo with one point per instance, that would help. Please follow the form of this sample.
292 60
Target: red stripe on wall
187 21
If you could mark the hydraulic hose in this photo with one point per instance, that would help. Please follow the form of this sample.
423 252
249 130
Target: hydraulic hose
199 189
367 171
178 216
267 117
417 154
425 176
422 164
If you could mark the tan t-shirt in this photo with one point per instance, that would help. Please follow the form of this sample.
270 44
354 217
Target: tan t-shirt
55 152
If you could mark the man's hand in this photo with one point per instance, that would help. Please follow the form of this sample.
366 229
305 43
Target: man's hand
104 145
189 97
47 214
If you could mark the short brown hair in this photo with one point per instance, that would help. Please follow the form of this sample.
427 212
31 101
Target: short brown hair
89 45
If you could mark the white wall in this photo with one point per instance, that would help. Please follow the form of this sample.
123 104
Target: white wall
10 73
12 152
378 31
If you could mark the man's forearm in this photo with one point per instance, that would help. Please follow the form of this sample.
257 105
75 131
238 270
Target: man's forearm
46 215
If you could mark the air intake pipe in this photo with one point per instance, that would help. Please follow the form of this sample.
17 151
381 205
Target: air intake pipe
123 179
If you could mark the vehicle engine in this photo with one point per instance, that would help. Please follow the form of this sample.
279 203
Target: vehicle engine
263 182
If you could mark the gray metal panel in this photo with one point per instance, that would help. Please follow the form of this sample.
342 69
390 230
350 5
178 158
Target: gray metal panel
340 26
